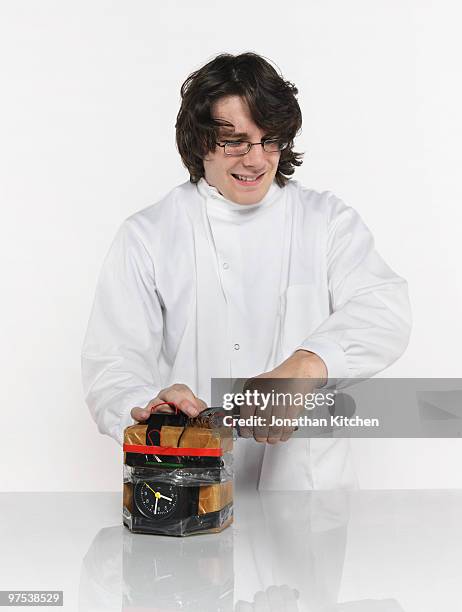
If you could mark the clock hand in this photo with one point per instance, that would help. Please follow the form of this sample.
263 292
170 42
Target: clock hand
155 507
155 492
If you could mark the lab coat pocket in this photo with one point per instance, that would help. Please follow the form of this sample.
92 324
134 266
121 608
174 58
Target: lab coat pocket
301 314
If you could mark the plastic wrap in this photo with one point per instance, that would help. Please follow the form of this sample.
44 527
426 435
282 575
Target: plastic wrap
178 475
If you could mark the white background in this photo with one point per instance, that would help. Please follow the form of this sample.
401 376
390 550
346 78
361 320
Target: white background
89 96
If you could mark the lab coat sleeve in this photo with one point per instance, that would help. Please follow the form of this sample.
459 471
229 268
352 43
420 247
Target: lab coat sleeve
123 339
370 320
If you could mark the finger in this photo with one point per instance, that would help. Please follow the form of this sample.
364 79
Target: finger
140 414
261 428
199 405
288 599
202 405
183 398
276 599
292 413
275 430
245 432
287 434
158 405
243 606
260 602
261 411
189 406
246 412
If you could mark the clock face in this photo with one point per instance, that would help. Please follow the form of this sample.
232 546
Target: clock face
155 500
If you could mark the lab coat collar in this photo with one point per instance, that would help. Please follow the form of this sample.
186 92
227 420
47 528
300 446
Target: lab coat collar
219 202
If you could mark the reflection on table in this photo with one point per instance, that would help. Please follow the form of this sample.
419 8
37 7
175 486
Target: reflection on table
285 551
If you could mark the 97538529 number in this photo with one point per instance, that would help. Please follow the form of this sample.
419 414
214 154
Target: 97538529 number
31 598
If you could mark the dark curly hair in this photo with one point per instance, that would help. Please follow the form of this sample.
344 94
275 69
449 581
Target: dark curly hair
271 100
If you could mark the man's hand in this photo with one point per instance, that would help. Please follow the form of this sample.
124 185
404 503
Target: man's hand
303 365
180 395
273 599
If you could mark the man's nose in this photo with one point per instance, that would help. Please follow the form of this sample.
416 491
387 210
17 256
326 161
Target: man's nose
255 157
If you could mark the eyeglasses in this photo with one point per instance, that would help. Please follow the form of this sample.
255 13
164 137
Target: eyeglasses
240 147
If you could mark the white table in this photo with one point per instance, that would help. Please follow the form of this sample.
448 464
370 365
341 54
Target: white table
362 551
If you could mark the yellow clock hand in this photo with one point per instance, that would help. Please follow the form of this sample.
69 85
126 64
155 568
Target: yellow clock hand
155 492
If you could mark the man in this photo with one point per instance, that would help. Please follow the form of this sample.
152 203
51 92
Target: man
241 272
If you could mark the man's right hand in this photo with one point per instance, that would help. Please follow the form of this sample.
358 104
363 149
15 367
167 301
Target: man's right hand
180 395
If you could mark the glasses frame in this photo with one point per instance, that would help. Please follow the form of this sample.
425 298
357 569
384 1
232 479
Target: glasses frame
282 146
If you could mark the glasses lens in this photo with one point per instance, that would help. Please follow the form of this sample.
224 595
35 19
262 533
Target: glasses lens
236 148
273 146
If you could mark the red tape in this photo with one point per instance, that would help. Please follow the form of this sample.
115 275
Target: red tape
171 450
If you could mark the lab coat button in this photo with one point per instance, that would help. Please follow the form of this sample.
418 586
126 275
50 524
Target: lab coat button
236 347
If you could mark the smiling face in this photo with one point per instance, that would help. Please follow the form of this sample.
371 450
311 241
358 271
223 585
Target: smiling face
247 178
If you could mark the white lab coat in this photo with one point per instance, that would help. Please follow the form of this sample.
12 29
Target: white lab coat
167 311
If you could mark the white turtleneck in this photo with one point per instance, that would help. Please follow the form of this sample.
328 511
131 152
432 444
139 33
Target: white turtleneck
248 241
